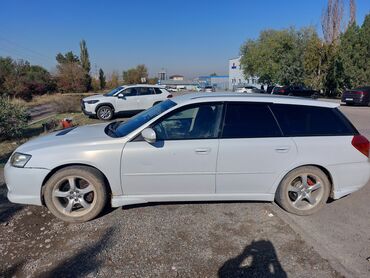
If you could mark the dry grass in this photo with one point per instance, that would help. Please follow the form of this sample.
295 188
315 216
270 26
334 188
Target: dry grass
50 99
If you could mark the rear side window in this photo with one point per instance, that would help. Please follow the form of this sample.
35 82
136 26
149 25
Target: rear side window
300 120
158 91
249 120
143 91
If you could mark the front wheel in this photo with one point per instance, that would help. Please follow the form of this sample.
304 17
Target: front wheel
303 191
104 113
75 194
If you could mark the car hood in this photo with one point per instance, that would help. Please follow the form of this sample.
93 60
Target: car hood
84 135
94 97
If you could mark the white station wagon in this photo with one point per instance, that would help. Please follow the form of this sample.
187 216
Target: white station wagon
297 152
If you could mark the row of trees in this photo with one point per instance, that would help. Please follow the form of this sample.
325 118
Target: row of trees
20 79
339 60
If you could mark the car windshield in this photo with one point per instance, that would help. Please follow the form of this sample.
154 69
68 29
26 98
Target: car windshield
114 91
135 122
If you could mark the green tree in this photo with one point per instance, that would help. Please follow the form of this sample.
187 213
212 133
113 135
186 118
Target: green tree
69 57
277 56
85 63
21 79
135 75
13 119
102 79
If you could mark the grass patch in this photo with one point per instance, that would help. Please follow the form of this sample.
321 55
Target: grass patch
8 146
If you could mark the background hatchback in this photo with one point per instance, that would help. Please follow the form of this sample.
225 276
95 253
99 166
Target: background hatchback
193 148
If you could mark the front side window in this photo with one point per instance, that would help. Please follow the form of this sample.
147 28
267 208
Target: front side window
200 121
130 92
138 120
249 120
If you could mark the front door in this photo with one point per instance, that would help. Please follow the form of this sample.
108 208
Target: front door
182 160
129 102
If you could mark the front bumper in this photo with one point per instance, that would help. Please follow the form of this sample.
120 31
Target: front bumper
86 109
24 184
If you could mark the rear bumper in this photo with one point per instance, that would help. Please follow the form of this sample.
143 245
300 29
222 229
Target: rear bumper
24 184
348 178
355 99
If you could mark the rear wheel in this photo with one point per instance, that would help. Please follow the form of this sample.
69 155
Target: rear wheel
303 191
104 113
75 194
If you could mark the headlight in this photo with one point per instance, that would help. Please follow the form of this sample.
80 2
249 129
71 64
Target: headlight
91 101
19 159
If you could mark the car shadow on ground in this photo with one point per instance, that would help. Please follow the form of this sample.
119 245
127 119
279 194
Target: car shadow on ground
170 203
7 209
259 259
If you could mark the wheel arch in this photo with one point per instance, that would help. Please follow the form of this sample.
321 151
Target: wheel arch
104 104
60 167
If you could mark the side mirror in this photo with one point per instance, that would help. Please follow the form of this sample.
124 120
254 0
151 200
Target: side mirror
121 95
149 135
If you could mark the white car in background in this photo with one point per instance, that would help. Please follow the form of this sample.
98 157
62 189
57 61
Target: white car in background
246 89
129 99
208 147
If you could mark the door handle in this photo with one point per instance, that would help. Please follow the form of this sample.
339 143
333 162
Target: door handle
282 149
202 150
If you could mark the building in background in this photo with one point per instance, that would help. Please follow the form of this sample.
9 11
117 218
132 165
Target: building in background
236 76
162 75
219 82
176 77
189 85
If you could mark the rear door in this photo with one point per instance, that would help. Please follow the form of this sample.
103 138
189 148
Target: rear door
146 97
252 151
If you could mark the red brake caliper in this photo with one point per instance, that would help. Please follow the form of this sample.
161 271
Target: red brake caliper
310 182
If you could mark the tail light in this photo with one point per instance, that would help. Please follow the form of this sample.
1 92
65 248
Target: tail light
282 91
358 92
361 144
169 96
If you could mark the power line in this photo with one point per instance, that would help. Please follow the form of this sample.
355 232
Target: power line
25 48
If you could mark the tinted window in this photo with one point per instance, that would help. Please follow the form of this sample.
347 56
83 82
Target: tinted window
158 91
143 91
130 92
249 120
300 120
199 121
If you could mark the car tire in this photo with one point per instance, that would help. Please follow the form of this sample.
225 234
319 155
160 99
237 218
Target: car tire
76 194
303 191
104 113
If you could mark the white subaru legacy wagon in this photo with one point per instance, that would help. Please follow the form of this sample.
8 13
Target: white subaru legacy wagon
210 147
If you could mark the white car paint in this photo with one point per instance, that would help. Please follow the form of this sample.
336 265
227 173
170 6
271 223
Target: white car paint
189 170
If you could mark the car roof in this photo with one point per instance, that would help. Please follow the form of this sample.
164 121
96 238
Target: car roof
225 96
143 85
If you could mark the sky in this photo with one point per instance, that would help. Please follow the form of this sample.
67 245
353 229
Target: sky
188 37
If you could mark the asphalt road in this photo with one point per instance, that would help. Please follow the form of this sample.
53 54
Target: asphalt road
231 239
